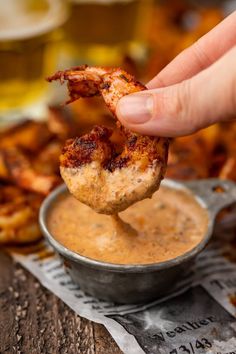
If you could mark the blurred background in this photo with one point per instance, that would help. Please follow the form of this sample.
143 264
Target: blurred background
38 37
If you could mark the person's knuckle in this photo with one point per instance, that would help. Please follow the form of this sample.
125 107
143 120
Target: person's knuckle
183 107
202 57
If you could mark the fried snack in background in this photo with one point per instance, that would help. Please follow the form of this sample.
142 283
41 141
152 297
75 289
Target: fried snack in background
175 26
226 141
22 174
29 136
18 215
190 157
228 171
46 161
29 170
185 159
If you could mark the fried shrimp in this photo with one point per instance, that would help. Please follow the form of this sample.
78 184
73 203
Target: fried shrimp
18 215
97 173
15 167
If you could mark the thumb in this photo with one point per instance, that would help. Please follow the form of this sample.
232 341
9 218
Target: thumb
184 108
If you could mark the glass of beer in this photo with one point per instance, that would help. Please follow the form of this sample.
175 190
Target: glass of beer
29 32
102 32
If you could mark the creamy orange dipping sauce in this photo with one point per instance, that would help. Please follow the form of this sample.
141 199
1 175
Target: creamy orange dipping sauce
168 225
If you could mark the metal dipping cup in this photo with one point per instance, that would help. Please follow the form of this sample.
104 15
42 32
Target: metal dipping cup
140 283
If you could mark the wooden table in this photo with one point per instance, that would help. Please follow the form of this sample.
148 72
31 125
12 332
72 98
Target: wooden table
35 321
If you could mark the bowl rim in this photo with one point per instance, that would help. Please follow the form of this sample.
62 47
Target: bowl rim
137 268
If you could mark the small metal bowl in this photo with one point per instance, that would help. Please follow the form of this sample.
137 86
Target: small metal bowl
139 283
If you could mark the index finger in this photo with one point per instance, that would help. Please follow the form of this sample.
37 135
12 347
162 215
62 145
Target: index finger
200 55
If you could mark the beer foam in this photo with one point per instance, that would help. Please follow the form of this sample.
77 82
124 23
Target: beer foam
16 23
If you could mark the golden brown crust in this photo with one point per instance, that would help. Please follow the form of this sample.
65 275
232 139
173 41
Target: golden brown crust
18 215
28 135
94 146
97 146
20 172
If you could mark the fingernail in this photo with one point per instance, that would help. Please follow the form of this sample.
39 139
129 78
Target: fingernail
136 108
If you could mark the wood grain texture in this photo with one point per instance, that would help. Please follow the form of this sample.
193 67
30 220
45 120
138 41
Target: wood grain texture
35 321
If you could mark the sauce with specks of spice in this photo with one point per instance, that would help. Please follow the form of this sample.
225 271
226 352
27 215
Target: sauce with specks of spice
151 231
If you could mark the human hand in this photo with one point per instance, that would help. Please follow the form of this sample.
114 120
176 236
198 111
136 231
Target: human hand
197 89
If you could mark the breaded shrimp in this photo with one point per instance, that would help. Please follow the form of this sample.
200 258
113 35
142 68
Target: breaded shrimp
18 215
95 172
15 167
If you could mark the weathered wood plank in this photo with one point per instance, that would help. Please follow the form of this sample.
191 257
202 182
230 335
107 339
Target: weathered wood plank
35 321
